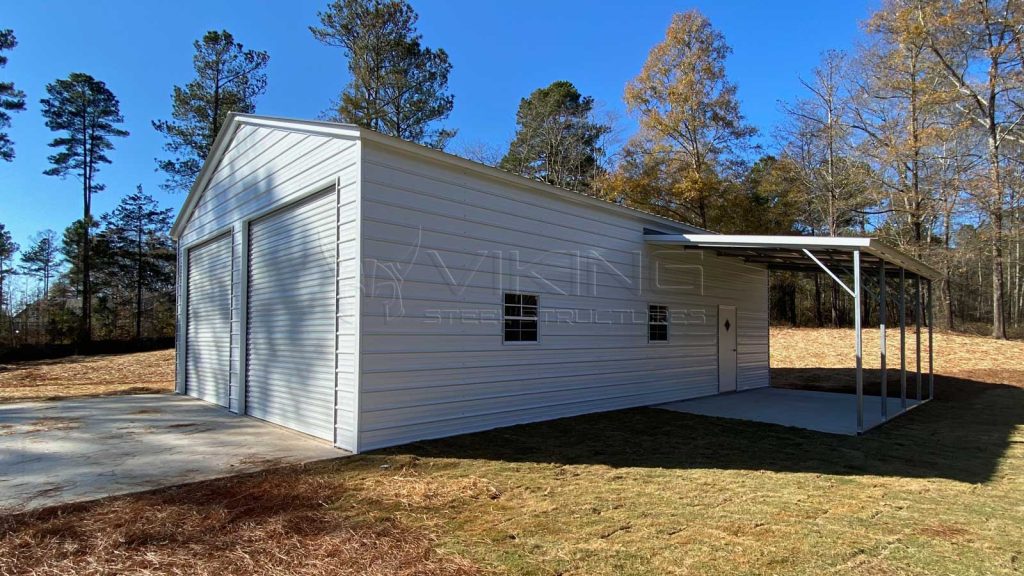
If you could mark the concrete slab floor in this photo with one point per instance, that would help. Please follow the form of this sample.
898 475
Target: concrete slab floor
830 412
80 449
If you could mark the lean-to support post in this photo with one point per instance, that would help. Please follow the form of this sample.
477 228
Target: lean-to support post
917 322
858 340
903 340
881 339
931 354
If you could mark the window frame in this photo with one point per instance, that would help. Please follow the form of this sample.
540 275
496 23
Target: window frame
505 317
666 323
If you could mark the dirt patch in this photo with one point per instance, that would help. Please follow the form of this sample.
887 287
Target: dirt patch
409 488
41 425
103 375
288 521
947 532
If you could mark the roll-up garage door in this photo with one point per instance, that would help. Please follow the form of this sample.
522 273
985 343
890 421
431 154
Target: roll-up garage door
290 373
208 322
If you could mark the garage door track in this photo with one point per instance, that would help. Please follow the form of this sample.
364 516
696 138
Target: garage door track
70 450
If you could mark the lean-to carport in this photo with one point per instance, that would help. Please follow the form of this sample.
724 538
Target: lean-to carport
857 259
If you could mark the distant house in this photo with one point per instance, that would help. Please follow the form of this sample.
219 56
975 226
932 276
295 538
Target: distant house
371 292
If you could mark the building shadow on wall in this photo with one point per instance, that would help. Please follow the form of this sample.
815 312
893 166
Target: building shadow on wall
960 436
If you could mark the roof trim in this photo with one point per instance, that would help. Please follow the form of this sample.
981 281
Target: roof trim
872 246
339 130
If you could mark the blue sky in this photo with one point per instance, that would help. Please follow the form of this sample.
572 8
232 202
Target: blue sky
500 52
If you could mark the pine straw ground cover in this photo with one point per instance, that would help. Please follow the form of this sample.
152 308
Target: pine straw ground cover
102 375
645 491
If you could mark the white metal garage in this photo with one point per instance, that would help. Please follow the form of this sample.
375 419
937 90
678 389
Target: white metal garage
380 292
208 324
290 326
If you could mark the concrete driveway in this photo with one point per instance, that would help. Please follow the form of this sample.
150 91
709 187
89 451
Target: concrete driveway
69 450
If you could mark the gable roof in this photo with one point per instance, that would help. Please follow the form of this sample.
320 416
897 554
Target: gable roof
351 131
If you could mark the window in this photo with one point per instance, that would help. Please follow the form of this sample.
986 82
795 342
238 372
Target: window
520 317
657 323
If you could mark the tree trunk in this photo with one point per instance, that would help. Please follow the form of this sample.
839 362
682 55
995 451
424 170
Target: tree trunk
996 213
998 314
138 289
819 313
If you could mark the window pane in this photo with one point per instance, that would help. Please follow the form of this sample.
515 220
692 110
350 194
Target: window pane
520 311
658 313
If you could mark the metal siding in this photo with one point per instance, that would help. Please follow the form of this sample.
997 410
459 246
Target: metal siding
290 352
263 168
347 306
208 321
438 242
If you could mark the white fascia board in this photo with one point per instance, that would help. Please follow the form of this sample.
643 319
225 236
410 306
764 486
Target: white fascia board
750 241
870 245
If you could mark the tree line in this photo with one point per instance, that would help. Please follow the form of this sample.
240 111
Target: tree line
111 277
914 137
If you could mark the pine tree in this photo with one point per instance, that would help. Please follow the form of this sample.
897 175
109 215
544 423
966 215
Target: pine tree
87 113
398 87
41 259
8 248
228 79
11 99
137 233
557 140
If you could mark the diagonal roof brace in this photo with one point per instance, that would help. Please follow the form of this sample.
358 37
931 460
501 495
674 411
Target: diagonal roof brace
829 272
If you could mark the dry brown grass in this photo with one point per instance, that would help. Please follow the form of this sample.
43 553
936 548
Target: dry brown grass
833 348
295 521
75 376
809 358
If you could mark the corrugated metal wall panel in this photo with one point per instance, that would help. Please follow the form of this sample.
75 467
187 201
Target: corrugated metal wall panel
290 352
347 308
263 168
208 321
441 245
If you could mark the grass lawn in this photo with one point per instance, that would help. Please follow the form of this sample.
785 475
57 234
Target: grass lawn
643 491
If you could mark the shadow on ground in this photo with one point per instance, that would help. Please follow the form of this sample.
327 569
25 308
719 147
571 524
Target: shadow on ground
961 436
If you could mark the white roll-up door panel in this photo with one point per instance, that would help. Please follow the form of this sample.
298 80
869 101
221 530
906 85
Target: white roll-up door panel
208 322
290 344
